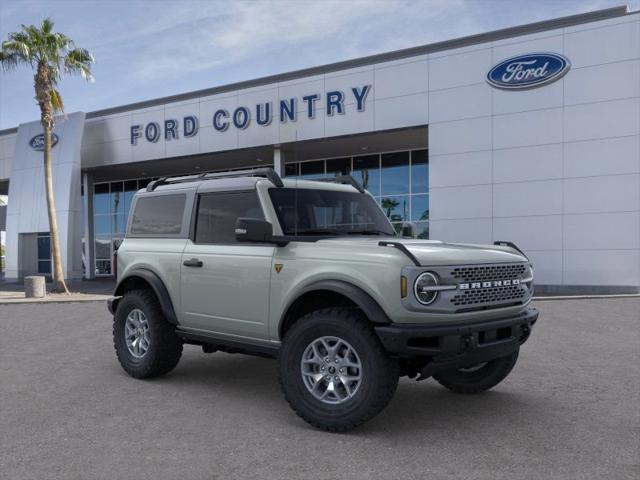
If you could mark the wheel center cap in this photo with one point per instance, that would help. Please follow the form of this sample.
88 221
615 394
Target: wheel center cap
332 370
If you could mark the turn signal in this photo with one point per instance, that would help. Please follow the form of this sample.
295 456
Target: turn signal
403 286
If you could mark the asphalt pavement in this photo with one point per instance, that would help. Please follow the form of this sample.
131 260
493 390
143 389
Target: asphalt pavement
570 409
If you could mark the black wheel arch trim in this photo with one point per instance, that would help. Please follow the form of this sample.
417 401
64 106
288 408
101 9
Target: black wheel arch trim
357 295
158 287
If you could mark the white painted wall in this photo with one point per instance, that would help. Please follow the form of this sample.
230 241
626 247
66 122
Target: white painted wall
7 150
555 169
27 207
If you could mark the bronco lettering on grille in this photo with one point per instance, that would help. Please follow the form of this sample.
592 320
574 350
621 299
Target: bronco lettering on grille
488 284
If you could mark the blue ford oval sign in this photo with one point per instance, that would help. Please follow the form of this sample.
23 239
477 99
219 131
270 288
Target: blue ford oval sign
528 71
37 142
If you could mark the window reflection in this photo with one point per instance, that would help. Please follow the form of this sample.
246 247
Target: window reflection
366 170
396 208
101 198
311 170
291 170
395 173
419 171
338 166
419 207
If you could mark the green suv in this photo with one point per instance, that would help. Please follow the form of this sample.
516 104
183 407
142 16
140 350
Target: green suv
313 274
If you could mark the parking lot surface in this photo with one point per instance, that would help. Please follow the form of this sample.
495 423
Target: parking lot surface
570 409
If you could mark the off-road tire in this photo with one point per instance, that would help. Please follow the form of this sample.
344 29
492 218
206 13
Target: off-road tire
480 380
165 349
379 372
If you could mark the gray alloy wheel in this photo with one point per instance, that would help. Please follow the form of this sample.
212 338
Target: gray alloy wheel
331 370
136 331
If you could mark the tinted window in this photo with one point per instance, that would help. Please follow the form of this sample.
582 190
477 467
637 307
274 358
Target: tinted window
158 215
218 212
316 212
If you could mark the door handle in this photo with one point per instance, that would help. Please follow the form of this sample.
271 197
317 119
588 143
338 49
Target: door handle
193 262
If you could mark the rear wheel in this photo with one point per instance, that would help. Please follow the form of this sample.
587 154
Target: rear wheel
333 371
146 344
477 378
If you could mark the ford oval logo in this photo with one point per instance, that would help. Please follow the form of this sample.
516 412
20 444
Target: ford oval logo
37 142
528 71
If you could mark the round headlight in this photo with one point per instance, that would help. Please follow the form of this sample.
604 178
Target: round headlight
422 288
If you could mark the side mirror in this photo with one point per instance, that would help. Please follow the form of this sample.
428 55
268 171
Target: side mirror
408 230
253 230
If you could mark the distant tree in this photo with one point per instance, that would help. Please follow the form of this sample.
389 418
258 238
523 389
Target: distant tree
50 54
388 204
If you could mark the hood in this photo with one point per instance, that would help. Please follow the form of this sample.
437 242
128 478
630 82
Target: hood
435 252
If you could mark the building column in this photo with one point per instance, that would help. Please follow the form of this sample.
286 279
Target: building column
87 222
278 161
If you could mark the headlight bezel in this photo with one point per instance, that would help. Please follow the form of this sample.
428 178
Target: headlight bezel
435 281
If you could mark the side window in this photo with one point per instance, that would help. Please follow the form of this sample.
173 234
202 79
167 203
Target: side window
218 212
158 215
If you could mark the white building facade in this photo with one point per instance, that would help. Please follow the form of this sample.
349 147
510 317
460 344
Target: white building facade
529 134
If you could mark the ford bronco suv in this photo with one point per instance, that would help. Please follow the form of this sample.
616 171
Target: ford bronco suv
312 273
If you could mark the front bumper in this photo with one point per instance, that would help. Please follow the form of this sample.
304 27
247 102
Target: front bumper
447 347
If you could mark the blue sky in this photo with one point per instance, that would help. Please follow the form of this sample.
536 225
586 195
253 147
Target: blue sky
149 49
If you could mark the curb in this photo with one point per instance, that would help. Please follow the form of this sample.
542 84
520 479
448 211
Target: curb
22 301
585 297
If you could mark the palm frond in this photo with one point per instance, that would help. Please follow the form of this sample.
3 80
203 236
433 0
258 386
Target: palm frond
9 61
56 101
79 61
47 26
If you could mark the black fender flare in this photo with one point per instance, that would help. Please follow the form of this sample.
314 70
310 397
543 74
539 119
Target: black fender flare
158 287
362 299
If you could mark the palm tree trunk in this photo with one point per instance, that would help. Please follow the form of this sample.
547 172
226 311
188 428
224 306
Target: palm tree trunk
59 284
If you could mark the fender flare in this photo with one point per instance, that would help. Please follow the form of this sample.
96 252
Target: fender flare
158 287
362 299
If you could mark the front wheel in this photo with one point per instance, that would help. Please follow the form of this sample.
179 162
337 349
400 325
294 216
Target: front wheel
333 370
477 378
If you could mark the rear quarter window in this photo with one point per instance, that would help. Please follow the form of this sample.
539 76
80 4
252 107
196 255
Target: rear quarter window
158 215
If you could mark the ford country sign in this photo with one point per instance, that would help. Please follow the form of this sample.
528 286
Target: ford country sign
37 142
528 71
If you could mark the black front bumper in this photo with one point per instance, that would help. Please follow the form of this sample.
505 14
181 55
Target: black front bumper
446 347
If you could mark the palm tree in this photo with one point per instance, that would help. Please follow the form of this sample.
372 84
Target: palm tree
389 204
50 55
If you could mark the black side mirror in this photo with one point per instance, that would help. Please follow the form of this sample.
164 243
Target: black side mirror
253 230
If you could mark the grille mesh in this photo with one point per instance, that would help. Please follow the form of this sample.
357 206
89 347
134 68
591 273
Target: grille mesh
489 295
490 272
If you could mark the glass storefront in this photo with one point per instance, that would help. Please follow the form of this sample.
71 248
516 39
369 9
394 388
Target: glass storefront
398 180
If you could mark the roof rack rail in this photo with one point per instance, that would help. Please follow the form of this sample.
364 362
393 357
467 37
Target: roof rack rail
344 180
266 172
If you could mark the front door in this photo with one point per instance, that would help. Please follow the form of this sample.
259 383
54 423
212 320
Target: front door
225 284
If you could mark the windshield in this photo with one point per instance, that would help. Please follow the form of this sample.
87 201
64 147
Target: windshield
304 211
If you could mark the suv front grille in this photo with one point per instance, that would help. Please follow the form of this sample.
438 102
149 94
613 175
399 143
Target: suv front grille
490 272
510 294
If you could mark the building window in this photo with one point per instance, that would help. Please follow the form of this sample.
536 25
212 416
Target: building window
398 180
44 253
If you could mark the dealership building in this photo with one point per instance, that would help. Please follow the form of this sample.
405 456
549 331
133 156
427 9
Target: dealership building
529 134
